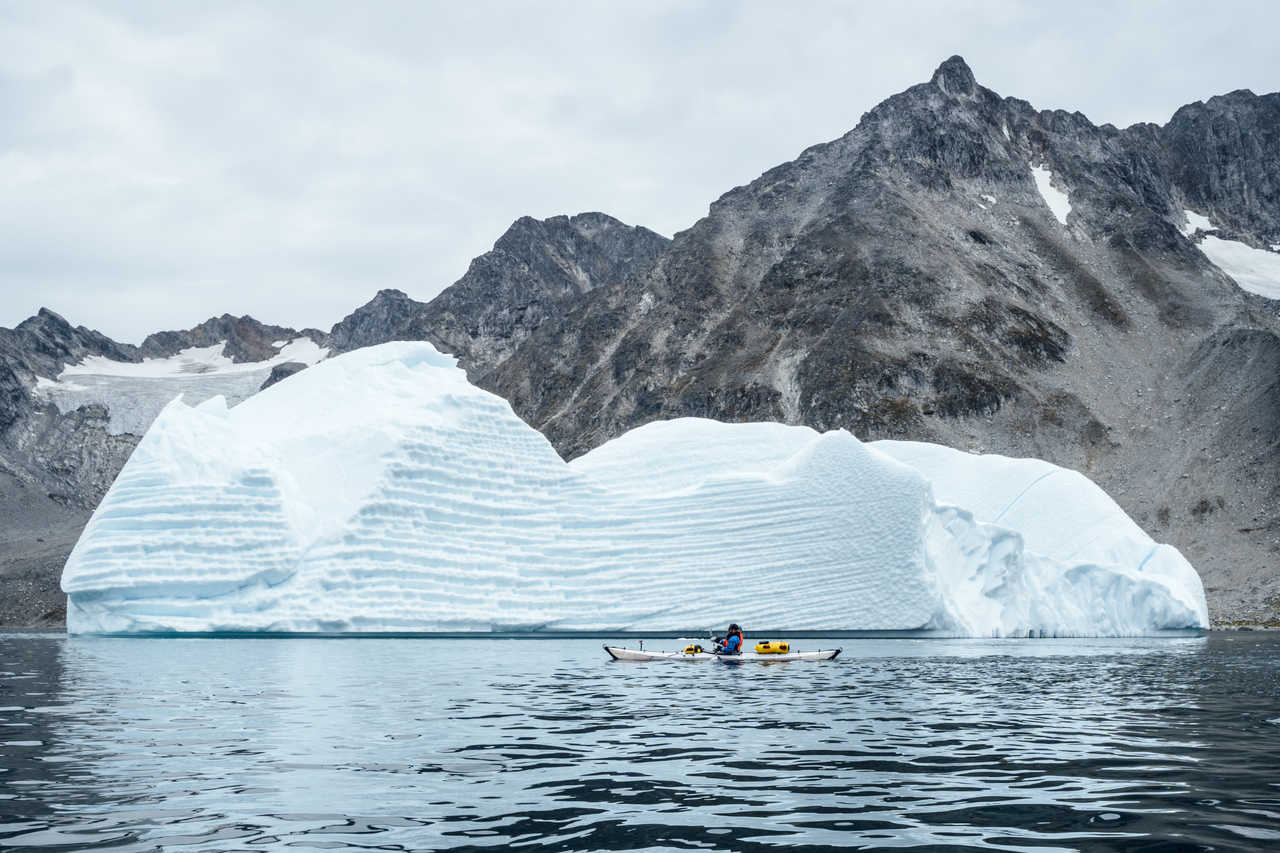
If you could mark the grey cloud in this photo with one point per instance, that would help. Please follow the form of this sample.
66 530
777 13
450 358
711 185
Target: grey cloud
163 162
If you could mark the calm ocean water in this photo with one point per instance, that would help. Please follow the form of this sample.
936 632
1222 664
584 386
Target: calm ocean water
1161 744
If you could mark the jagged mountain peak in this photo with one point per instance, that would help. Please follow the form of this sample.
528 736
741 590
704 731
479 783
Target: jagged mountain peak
1236 96
246 339
46 342
42 317
529 236
594 218
509 290
389 316
954 77
390 294
1224 154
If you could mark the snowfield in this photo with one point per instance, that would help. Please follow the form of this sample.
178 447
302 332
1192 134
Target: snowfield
196 361
1057 200
134 393
1255 270
379 491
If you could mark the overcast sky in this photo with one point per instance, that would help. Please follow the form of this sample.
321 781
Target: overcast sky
164 162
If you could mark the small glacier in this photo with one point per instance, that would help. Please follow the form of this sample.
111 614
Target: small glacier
134 392
379 491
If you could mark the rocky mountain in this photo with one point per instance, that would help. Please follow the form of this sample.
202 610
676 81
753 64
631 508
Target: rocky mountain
47 461
911 280
534 269
1224 156
244 339
960 267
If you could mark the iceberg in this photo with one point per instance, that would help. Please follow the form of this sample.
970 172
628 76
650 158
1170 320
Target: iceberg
379 491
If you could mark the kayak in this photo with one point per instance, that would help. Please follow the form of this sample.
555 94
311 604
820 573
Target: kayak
618 653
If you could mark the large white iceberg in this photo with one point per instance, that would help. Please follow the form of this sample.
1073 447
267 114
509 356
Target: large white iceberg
380 492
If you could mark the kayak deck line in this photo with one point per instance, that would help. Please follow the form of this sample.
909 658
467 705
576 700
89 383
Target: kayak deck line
625 654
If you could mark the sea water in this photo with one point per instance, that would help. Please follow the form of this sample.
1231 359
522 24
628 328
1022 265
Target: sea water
357 744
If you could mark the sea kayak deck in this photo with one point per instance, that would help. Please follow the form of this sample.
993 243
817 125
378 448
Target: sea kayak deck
619 653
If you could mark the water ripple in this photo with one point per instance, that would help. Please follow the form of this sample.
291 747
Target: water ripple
127 745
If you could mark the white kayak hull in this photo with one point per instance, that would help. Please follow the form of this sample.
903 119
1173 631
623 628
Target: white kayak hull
618 653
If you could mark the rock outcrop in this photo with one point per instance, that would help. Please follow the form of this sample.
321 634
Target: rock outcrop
244 338
281 372
1223 155
533 270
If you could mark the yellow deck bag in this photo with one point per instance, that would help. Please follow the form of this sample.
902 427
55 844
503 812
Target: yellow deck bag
772 647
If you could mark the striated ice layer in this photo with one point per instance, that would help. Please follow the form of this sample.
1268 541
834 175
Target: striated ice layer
1051 551
379 491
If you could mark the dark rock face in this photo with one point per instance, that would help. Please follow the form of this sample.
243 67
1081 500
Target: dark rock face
1224 156
71 456
536 267
246 339
282 371
955 78
41 346
872 268
53 468
533 268
390 316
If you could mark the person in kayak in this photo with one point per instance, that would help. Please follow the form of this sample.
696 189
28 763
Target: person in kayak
733 642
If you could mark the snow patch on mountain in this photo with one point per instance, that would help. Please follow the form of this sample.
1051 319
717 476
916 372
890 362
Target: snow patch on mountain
1255 270
1195 222
197 361
1057 200
380 491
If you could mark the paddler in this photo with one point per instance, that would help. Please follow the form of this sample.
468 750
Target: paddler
733 641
